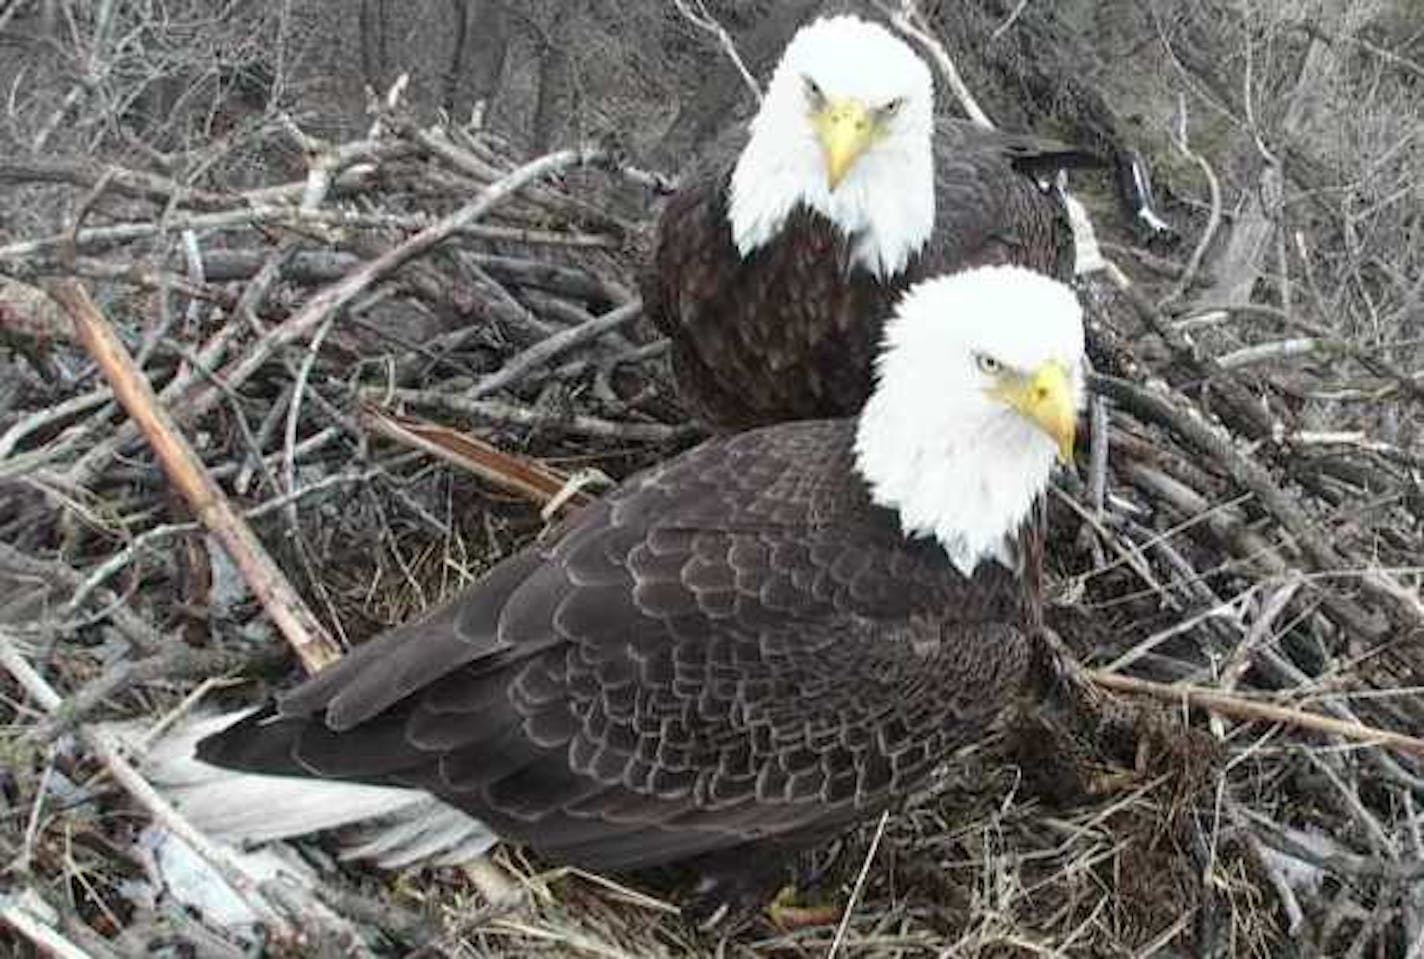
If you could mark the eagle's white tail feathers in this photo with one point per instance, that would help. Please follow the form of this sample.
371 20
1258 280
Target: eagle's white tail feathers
392 827
427 831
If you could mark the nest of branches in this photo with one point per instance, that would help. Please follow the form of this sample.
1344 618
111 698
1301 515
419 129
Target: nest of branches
307 411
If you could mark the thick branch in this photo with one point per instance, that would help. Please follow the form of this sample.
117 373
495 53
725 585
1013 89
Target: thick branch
187 473
136 183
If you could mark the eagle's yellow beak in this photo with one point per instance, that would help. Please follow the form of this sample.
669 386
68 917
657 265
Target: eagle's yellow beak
1045 399
845 128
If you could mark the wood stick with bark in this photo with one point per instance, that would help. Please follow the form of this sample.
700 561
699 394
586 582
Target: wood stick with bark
307 637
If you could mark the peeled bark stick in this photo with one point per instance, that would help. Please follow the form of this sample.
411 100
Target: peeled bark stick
525 477
27 924
302 630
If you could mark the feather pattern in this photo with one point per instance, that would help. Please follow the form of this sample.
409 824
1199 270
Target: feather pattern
735 646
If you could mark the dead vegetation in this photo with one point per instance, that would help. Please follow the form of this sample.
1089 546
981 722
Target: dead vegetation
306 401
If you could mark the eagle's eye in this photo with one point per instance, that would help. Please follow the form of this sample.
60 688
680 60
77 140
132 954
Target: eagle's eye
814 97
987 364
893 107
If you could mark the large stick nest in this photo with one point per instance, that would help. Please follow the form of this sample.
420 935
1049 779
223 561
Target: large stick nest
393 349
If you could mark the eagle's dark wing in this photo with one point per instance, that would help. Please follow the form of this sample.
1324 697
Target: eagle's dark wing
992 203
733 647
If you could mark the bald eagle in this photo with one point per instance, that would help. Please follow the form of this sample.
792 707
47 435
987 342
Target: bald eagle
750 647
778 258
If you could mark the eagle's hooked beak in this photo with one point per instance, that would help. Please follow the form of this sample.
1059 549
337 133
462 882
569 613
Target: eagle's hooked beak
845 128
1045 399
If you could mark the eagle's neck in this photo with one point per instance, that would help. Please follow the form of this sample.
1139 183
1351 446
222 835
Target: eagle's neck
885 206
933 442
971 483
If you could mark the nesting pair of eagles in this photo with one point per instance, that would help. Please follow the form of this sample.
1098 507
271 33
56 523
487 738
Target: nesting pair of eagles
748 648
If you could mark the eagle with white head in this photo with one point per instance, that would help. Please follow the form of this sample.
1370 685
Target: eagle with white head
744 650
783 252
846 130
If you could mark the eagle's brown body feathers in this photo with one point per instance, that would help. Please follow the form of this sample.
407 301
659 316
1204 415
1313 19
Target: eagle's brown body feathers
735 647
791 331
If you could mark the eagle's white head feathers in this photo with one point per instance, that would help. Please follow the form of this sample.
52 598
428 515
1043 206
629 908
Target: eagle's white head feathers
846 129
978 388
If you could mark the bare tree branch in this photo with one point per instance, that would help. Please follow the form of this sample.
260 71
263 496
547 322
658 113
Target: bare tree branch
908 19
696 13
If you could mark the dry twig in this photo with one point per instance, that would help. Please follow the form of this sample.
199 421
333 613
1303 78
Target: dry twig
908 19
1239 707
302 630
696 13
128 777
